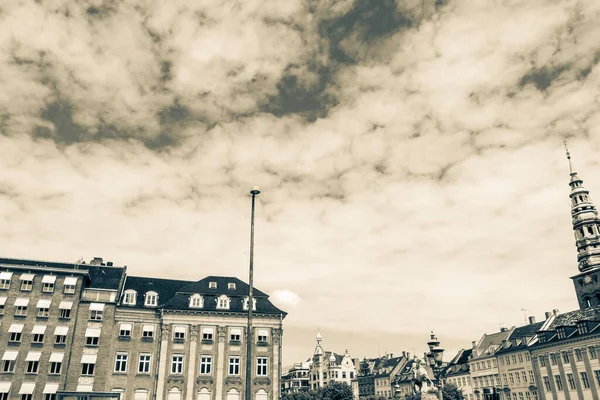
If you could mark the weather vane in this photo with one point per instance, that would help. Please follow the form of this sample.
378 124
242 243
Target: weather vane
568 155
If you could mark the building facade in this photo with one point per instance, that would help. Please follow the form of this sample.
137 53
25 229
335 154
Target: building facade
296 379
329 367
458 373
483 365
91 328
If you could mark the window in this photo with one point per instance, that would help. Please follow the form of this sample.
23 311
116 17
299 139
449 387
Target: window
352 375
507 360
246 304
70 284
151 299
49 391
125 330
179 333
531 377
511 377
144 364
64 309
571 381
196 301
43 307
21 307
584 380
547 384
92 337
592 351
33 362
96 311
261 366
212 285
553 359
129 297
231 286
121 362
8 361
56 360
262 335
223 302
48 283
524 376
542 361
565 357
37 333
60 334
26 390
2 303
514 360
205 365
597 375
527 358
26 282
5 280
207 333
177 364
520 357
234 365
235 335
148 331
559 385
87 369
343 374
15 331
578 355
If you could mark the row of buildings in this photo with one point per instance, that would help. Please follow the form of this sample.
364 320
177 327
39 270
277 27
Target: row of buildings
92 328
553 359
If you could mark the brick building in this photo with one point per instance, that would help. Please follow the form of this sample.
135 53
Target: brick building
91 328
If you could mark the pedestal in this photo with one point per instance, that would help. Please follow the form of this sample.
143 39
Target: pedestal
429 396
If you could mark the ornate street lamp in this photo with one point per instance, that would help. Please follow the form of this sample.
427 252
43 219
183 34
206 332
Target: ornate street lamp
249 341
397 391
435 361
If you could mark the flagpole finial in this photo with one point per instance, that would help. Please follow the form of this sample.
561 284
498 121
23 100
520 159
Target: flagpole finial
568 156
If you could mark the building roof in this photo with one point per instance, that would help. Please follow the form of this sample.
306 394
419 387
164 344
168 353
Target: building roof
572 317
166 288
526 331
569 321
488 344
101 276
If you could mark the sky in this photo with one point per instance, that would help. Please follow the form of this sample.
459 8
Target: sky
410 154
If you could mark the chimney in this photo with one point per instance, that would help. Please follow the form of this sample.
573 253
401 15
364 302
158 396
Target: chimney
547 314
555 311
408 355
391 355
503 329
109 264
96 261
531 320
404 354
474 343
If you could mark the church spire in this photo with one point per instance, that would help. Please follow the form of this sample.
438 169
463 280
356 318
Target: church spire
586 224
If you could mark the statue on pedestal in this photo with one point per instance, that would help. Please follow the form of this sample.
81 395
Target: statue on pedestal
420 375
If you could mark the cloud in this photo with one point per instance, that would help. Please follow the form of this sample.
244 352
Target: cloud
409 153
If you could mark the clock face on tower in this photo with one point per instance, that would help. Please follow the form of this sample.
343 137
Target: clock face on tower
587 279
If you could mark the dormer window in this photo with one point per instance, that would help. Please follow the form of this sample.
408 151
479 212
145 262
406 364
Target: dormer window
151 299
223 302
561 333
231 286
212 285
246 304
582 327
196 301
129 297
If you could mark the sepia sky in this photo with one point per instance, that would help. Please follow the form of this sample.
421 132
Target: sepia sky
410 155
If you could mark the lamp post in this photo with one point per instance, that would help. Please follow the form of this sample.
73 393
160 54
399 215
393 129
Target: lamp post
249 341
435 361
396 391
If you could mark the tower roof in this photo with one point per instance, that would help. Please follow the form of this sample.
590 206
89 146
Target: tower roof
586 224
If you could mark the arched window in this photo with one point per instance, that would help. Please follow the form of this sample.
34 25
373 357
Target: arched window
151 299
223 302
204 394
129 297
233 394
261 394
196 301
174 394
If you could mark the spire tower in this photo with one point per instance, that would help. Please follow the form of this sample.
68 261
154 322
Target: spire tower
586 227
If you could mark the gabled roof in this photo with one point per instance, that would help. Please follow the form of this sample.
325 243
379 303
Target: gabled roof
569 320
526 331
493 340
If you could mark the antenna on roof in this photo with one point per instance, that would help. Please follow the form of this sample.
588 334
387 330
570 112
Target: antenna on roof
525 314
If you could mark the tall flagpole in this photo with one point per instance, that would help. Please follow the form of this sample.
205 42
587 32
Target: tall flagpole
249 340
